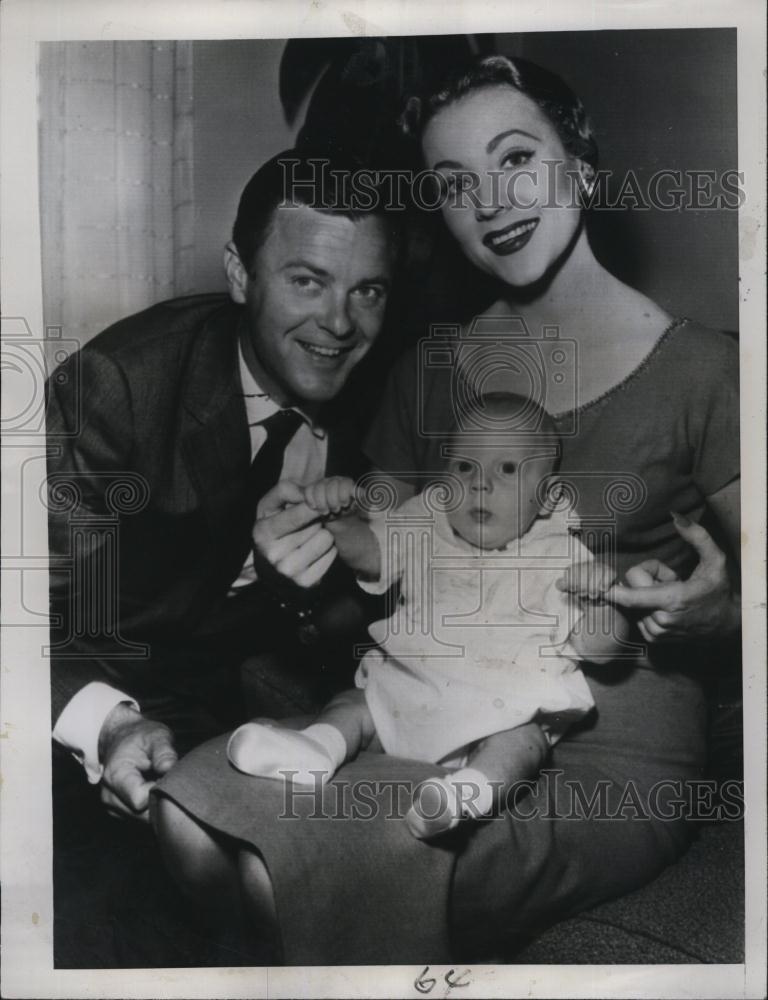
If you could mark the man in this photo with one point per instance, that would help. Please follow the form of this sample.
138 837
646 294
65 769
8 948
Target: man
162 576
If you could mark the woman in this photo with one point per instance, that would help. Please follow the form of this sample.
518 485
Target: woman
647 408
519 143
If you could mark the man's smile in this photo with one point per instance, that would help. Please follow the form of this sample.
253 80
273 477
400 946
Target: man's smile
317 351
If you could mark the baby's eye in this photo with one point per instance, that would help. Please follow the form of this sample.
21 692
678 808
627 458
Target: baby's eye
508 468
463 467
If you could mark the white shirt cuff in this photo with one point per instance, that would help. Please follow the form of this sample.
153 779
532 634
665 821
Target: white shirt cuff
374 586
79 725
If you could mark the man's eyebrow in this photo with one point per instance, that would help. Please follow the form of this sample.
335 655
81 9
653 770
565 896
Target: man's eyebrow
375 279
503 135
301 262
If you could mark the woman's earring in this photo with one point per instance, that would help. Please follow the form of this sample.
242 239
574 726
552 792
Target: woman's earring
586 184
408 121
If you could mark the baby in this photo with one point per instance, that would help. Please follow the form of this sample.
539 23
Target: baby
476 669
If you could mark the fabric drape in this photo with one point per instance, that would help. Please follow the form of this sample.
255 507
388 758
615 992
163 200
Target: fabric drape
115 179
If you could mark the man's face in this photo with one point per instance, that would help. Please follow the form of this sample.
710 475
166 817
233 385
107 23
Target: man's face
315 300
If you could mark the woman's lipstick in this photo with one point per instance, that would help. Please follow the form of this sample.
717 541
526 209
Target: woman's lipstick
511 238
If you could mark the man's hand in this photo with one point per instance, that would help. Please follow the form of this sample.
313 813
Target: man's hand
135 752
290 536
703 605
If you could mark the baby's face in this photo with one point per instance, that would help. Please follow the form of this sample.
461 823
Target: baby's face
500 483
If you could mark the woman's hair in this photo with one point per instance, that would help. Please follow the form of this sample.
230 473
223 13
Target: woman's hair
552 95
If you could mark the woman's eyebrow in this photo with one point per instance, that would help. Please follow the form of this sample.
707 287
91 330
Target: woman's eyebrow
494 142
503 135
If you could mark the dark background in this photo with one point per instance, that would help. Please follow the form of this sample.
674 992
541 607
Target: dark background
658 99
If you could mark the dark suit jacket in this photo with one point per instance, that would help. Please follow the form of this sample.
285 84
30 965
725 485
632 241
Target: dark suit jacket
149 522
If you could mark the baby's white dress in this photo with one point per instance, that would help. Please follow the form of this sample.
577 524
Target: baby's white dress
478 642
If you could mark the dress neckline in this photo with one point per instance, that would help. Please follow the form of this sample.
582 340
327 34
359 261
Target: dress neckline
676 323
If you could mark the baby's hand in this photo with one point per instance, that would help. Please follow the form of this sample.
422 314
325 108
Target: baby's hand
588 580
330 496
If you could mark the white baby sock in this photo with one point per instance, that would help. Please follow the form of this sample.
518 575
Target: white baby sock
303 757
440 803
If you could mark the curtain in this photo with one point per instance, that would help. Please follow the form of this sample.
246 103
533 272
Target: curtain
115 180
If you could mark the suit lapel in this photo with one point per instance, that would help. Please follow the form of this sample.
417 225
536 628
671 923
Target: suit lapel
216 442
215 439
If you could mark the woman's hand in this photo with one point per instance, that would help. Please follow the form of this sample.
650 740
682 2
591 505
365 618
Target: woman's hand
703 605
289 536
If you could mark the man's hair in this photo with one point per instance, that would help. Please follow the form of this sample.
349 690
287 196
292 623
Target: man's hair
298 177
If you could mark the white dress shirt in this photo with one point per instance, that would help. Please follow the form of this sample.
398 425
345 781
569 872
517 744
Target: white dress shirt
79 724
305 456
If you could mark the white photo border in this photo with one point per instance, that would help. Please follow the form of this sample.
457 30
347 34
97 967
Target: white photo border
26 814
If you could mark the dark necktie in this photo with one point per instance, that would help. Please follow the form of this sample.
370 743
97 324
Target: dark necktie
268 463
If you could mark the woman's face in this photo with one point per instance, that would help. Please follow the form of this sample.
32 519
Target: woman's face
511 195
